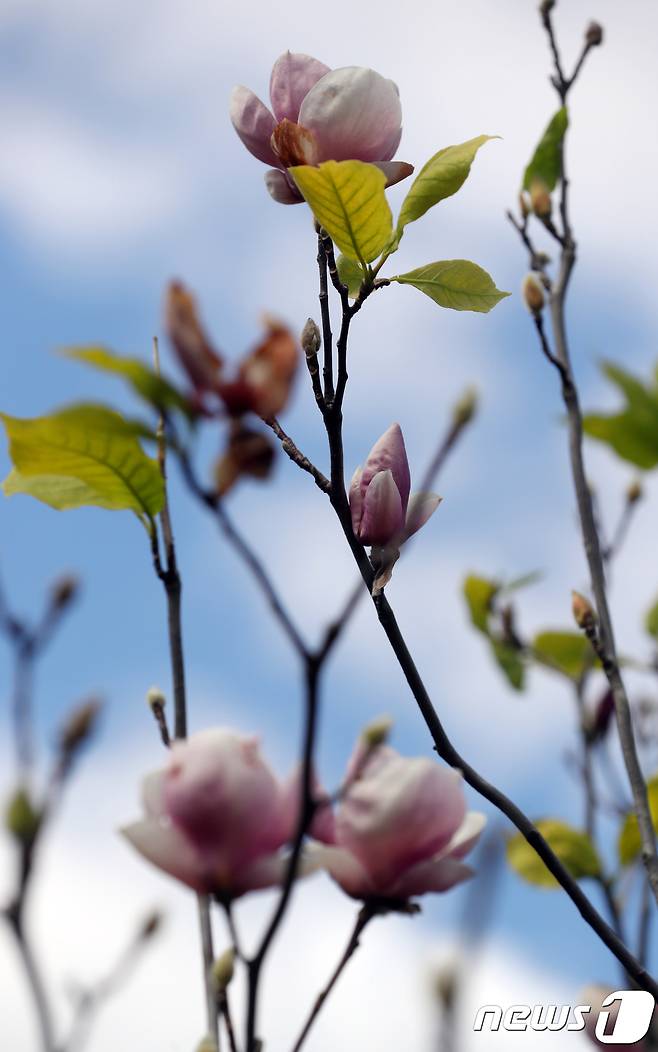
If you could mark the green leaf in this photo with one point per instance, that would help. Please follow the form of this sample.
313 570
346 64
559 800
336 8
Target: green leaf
455 283
480 593
566 652
351 274
155 390
510 662
629 843
83 455
522 582
545 163
633 432
574 849
347 198
441 177
651 620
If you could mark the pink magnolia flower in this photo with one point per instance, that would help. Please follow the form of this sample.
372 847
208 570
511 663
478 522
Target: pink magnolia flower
216 818
401 829
319 114
383 511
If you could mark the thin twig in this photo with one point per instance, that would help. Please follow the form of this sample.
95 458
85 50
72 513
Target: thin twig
297 457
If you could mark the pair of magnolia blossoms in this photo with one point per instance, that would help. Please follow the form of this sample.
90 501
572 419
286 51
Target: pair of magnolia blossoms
217 819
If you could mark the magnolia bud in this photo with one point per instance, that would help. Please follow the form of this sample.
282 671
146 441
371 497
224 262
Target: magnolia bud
64 591
310 338
582 609
21 817
594 34
79 726
207 1044
533 294
155 698
223 969
524 205
466 407
540 199
377 733
634 492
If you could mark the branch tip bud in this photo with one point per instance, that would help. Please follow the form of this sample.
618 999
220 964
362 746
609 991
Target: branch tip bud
533 293
79 726
540 199
594 34
223 970
583 611
64 590
466 408
151 925
155 699
310 338
634 492
377 733
21 817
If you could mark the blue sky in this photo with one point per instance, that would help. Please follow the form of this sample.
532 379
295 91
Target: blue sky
120 170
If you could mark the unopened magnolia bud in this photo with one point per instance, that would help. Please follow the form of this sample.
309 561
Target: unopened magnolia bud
151 925
64 591
378 732
79 726
634 492
466 407
524 205
21 817
583 611
223 969
533 294
155 698
540 198
594 34
310 338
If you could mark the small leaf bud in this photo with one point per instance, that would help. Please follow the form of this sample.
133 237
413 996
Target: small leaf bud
583 611
155 698
79 726
223 970
151 925
21 817
533 293
466 407
634 492
594 34
64 590
546 7
377 733
540 199
524 205
310 338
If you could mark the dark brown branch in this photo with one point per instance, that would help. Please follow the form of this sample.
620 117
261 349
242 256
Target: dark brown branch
297 457
327 338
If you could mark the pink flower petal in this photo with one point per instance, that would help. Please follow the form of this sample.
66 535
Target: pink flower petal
355 114
280 189
466 836
254 124
293 76
435 875
395 171
152 794
383 514
356 500
346 870
168 849
421 507
389 452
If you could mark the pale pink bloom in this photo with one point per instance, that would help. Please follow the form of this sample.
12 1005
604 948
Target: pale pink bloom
319 115
383 511
401 828
216 817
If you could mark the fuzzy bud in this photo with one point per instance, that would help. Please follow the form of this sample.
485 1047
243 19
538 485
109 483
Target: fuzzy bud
594 34
155 699
634 492
21 817
79 726
533 294
377 733
310 338
582 609
223 970
466 407
64 591
540 199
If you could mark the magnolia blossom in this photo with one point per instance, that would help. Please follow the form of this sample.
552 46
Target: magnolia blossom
216 817
383 511
319 114
401 829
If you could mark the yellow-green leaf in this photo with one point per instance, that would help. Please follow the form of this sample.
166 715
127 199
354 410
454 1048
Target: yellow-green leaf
545 163
441 177
651 620
629 843
479 593
573 847
566 652
455 283
83 455
347 198
632 432
351 274
150 386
